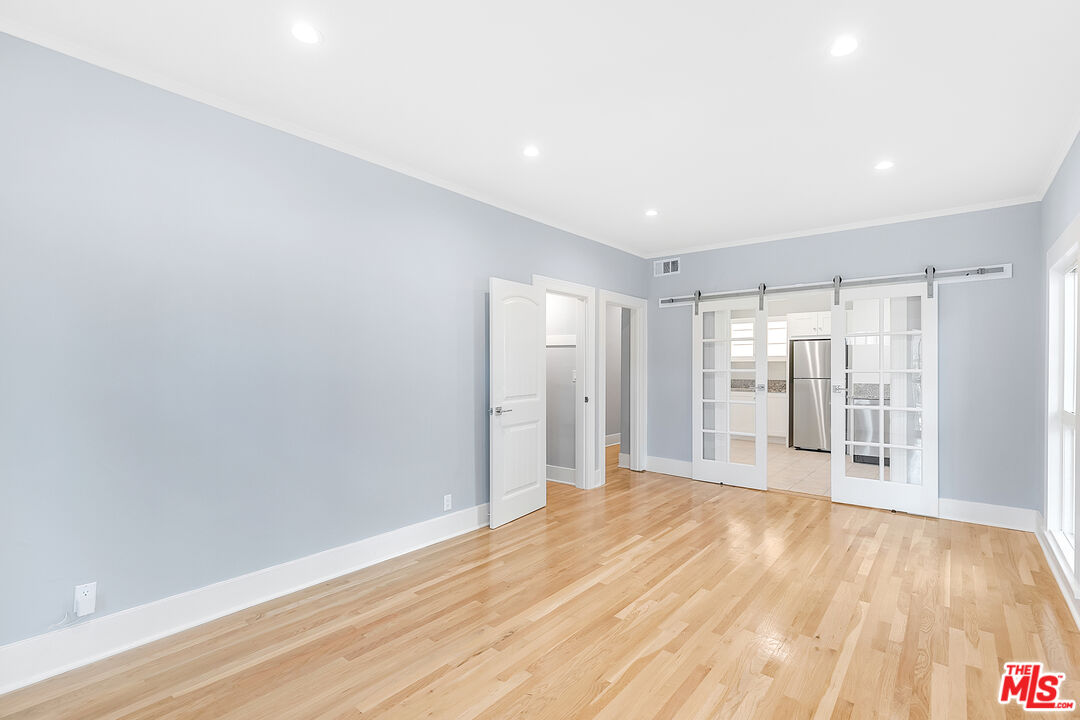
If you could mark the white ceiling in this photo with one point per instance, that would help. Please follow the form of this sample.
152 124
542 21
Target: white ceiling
729 117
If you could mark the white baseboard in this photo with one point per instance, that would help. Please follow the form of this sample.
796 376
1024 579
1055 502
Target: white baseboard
973 512
624 460
1069 590
613 439
558 474
1002 516
667 466
33 659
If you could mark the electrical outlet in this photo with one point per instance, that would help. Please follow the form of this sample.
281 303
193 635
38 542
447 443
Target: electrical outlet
85 599
446 503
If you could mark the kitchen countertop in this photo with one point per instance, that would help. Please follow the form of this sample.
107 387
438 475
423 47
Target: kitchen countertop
776 387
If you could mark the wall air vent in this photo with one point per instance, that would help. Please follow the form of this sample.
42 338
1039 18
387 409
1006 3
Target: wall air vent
668 266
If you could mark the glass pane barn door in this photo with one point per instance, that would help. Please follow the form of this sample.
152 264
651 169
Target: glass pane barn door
884 368
730 376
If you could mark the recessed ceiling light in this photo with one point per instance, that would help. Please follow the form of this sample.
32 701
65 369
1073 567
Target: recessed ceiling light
306 33
844 45
884 165
530 151
651 212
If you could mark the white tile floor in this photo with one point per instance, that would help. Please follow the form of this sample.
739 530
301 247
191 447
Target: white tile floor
802 471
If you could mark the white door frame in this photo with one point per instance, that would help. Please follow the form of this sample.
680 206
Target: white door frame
585 432
639 313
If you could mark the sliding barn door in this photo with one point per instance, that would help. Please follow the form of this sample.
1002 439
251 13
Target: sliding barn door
884 409
730 383
518 412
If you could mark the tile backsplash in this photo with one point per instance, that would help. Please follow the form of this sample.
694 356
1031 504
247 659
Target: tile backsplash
867 391
859 391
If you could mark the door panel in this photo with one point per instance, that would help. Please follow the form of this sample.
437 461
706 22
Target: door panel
729 377
518 412
884 419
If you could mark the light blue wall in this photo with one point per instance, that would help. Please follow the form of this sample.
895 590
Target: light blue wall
990 405
223 347
613 370
1061 204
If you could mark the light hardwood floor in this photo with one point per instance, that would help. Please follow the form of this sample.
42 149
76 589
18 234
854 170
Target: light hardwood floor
611 459
653 597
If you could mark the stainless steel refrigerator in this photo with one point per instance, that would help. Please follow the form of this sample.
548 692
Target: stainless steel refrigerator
811 366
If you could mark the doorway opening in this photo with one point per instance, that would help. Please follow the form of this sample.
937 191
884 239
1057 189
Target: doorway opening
616 388
857 367
799 398
622 384
566 397
543 343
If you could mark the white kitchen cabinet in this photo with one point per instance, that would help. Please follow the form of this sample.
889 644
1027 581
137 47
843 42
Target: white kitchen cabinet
777 405
801 324
809 323
742 416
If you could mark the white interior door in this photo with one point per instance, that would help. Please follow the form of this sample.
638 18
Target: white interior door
518 412
884 409
730 384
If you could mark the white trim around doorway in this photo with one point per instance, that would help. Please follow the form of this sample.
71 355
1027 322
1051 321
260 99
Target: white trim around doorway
586 434
639 308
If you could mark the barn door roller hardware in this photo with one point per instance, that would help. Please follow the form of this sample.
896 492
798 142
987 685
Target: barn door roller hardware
930 275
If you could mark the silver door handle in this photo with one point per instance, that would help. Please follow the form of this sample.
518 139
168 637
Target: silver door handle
500 411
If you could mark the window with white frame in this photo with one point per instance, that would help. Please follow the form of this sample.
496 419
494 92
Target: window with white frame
742 338
1061 466
1066 510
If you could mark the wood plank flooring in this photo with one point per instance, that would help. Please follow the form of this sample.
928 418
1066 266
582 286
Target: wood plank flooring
611 459
653 597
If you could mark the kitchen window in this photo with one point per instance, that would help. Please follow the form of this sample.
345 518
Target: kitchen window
742 339
777 338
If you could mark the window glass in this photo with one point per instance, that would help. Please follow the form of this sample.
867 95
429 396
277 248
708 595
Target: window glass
777 338
1069 343
1067 495
742 338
